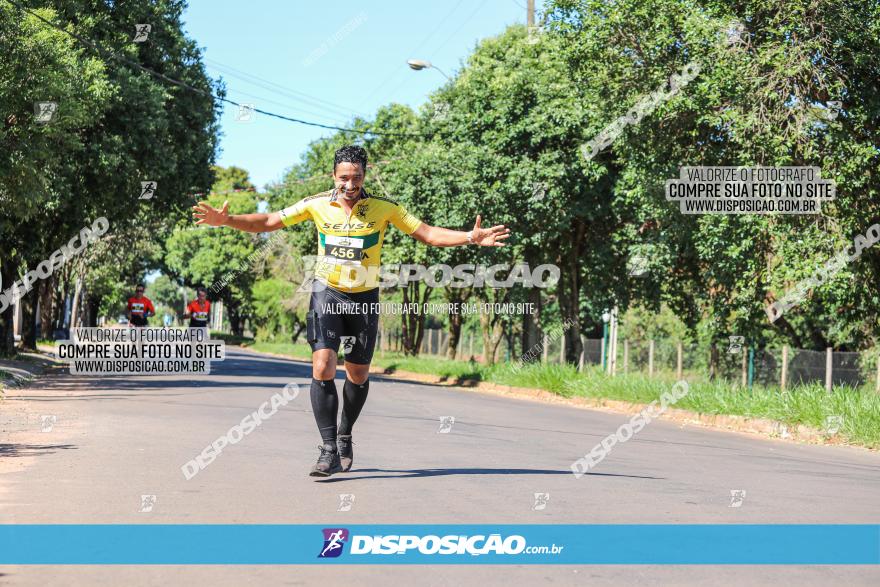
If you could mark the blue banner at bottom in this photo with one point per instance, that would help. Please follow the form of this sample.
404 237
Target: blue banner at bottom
640 544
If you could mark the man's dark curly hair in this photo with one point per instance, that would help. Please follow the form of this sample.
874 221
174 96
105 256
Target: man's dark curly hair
351 154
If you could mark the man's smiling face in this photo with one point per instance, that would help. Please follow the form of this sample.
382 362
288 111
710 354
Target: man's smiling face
349 179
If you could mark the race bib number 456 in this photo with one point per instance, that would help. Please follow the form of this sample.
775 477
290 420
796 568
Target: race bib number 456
343 249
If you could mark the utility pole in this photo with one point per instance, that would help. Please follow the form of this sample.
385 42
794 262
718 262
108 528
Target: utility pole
530 13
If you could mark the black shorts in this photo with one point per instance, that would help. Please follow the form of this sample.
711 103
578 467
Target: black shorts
338 317
198 323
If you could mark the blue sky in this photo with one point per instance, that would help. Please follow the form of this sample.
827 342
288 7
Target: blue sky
328 61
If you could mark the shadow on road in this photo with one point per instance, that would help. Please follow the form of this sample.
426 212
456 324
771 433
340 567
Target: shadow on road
418 473
32 450
242 372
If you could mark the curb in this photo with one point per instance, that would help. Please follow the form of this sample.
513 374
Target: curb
756 426
763 427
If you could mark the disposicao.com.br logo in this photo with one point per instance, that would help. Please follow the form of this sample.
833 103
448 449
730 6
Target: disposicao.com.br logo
480 544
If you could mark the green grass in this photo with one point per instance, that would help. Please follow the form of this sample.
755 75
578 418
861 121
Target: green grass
809 405
297 351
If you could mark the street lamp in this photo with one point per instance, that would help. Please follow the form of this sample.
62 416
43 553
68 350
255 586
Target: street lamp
419 64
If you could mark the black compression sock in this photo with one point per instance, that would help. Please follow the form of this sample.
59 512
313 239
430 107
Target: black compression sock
325 405
354 397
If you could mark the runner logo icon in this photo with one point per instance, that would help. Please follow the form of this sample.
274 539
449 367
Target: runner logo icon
334 540
347 344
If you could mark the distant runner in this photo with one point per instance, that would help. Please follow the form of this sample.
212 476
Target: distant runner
199 309
139 308
351 227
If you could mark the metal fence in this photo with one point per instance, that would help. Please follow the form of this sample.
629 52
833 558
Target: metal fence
781 367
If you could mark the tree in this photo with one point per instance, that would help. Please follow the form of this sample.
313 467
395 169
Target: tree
163 290
754 102
117 125
275 311
222 260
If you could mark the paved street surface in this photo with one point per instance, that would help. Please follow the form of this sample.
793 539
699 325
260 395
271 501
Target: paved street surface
115 439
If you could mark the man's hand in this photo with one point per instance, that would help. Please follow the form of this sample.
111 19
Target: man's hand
204 213
207 214
489 237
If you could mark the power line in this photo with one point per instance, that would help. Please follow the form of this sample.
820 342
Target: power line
480 5
106 53
276 88
281 89
413 54
264 100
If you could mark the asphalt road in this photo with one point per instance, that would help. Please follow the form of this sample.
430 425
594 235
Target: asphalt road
115 439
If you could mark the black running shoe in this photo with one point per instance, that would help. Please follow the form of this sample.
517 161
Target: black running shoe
328 462
346 453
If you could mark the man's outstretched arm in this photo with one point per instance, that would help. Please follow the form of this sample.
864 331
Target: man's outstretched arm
204 213
438 236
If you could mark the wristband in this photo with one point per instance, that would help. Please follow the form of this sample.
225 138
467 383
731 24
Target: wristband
470 237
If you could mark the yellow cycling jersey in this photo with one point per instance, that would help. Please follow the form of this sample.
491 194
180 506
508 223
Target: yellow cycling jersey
349 246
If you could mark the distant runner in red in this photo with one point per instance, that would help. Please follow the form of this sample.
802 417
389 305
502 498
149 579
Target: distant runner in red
139 307
199 309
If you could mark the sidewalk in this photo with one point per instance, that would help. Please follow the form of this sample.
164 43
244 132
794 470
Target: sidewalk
24 369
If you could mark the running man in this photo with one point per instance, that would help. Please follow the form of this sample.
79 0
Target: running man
199 309
351 227
139 307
